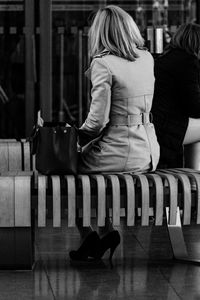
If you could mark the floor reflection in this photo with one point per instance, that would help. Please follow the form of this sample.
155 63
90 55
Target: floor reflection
98 281
138 278
142 269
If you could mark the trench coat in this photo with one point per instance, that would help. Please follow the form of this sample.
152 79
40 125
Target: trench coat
176 99
122 136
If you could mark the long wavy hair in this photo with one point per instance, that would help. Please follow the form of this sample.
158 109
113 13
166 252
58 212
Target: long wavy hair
114 30
187 38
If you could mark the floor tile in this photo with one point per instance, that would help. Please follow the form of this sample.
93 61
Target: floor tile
28 285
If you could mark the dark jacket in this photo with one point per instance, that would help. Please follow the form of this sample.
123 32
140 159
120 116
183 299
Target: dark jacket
176 98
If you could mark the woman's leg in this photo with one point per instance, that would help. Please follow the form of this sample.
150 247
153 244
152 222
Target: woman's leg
102 230
192 134
90 242
107 228
110 237
84 231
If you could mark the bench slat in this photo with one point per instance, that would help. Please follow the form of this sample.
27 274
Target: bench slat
194 175
71 198
130 192
159 197
7 140
22 201
4 160
196 179
101 198
187 199
143 182
7 195
114 180
27 156
173 190
42 200
15 156
187 170
56 201
86 192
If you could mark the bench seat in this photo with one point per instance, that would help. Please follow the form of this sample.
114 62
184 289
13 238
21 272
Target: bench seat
168 197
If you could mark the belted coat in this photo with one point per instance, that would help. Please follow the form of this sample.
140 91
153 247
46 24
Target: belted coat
122 137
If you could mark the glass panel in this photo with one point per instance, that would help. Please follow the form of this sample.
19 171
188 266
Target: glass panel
157 20
70 60
12 72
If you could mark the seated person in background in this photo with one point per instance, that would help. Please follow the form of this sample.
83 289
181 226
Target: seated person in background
176 102
120 135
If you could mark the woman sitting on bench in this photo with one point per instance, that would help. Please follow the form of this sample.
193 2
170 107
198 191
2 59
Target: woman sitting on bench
176 103
118 135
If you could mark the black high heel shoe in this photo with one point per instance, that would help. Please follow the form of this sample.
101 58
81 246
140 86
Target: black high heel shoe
87 249
109 241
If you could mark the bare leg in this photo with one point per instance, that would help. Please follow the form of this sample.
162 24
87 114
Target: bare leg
84 231
192 134
107 228
108 225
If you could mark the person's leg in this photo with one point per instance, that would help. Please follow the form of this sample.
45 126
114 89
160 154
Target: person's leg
84 231
89 244
92 246
102 230
192 134
110 237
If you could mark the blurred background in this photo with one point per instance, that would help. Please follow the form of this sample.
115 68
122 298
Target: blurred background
44 54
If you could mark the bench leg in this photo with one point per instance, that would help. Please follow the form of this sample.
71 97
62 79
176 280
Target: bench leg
16 250
17 247
177 240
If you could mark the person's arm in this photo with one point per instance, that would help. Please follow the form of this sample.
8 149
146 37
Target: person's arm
98 115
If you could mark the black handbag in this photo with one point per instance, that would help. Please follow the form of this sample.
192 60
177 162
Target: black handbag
55 148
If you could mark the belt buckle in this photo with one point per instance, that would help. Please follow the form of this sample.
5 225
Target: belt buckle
147 118
144 118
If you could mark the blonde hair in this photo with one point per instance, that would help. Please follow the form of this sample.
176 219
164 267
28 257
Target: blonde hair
114 30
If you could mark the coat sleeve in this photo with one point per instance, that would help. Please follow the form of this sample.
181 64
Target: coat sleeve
98 115
191 89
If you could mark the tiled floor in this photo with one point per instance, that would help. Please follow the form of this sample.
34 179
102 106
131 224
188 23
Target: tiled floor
142 269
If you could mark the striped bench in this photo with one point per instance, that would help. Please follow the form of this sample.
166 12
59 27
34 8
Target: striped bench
175 191
170 196
173 194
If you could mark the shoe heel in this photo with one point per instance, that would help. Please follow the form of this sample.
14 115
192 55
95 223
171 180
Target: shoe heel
109 241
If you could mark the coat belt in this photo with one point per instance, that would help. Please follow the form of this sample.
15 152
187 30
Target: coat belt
130 120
